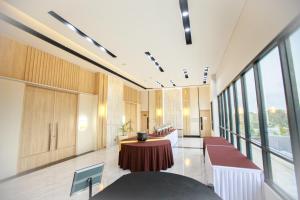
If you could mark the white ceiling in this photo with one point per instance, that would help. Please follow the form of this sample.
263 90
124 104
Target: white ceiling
128 28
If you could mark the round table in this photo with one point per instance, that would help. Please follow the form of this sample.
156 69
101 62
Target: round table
146 156
156 185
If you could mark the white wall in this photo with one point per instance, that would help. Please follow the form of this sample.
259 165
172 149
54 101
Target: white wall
214 98
259 23
11 110
115 109
87 127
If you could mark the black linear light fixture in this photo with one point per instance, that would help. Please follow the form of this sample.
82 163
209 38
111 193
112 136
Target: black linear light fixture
186 75
184 9
172 82
205 75
79 32
161 85
148 54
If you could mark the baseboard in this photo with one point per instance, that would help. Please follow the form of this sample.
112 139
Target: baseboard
192 136
42 167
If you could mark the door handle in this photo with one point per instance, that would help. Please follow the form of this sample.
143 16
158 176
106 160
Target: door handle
56 135
49 139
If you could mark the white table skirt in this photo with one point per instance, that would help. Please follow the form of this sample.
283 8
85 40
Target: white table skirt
173 137
233 183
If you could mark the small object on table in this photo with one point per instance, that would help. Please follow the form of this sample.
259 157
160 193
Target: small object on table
156 185
142 136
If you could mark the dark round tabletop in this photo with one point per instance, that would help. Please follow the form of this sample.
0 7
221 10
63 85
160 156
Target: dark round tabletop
156 185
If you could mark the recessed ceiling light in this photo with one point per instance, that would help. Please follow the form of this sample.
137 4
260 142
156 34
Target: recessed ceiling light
70 26
186 75
89 39
185 13
161 85
148 54
172 82
102 49
186 20
187 29
205 74
79 32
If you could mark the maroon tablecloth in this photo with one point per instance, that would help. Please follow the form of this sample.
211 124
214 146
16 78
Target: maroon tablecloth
214 141
228 156
146 156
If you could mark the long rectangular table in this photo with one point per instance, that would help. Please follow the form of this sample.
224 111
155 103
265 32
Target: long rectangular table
170 135
234 176
214 141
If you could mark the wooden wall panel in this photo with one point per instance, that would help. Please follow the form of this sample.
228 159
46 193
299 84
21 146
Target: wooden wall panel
12 58
186 110
33 65
131 95
87 81
43 68
101 90
158 108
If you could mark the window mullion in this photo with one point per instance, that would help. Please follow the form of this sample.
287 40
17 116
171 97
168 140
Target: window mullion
236 117
246 116
262 123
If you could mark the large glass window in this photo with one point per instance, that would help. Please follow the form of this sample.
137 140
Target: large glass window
231 93
284 175
257 156
277 122
252 106
240 107
241 116
275 104
294 41
224 115
227 116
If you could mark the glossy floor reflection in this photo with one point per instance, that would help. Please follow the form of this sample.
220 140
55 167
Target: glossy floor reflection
54 182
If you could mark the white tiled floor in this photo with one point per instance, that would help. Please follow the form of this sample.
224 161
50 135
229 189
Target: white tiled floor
53 183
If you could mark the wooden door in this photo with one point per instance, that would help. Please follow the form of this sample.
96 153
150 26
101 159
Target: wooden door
65 115
37 128
205 123
144 121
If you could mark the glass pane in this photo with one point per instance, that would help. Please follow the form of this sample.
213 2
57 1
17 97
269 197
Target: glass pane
232 109
234 141
227 115
243 146
240 107
224 114
257 156
275 105
284 176
295 53
252 106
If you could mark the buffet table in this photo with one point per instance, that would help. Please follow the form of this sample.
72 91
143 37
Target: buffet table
152 155
156 185
214 141
171 135
234 176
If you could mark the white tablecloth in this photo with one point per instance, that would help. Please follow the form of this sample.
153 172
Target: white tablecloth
173 137
233 183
